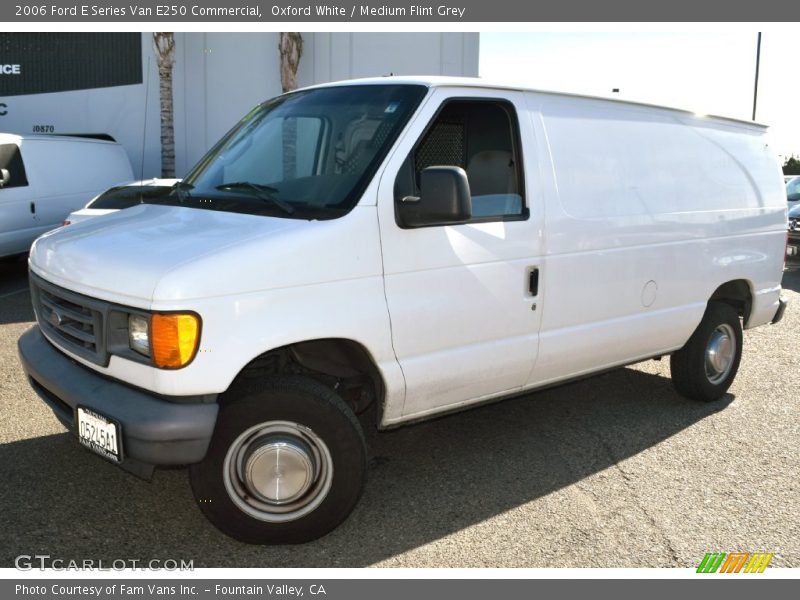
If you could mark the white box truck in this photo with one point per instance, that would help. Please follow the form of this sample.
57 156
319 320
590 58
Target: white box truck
43 178
417 245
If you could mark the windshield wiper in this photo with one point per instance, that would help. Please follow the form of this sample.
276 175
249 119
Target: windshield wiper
264 192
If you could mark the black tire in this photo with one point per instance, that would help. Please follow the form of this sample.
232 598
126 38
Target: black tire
691 375
296 400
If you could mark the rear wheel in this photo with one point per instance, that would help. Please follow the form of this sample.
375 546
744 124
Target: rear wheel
286 465
706 366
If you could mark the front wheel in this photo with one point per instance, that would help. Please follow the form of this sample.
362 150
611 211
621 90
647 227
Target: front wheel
706 366
286 465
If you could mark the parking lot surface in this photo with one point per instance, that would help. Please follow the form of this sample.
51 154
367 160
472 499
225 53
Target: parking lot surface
612 471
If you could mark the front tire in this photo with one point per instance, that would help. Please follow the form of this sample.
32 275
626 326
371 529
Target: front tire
706 366
286 465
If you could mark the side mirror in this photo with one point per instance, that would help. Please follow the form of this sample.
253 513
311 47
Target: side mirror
444 199
5 177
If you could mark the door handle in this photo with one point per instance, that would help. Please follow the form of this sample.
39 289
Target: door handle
33 208
533 282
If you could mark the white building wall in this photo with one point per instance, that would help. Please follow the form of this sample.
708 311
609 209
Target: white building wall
219 77
349 55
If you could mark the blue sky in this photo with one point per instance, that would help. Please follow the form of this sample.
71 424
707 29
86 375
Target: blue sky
708 73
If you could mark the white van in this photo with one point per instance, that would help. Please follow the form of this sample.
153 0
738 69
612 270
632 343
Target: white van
414 246
44 178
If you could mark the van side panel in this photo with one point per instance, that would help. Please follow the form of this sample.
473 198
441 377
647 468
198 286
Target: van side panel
648 212
17 225
63 175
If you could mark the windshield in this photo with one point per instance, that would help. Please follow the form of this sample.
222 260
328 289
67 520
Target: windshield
793 189
306 155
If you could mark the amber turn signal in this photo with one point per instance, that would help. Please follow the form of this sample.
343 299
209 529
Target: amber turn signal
174 338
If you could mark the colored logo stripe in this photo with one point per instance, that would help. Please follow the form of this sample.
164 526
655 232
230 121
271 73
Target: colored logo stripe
734 562
711 562
757 563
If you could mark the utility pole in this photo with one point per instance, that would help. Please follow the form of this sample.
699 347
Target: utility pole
755 85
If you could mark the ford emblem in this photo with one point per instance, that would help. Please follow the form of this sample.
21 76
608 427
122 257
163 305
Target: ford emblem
56 319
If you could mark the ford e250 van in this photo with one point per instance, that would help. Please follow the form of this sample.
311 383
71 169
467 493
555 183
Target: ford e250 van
44 178
417 246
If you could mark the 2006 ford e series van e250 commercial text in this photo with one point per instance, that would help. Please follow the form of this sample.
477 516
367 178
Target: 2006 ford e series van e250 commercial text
412 245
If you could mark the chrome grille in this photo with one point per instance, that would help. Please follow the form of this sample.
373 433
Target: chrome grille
70 320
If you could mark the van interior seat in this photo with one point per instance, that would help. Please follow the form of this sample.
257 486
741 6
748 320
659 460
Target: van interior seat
493 184
491 172
359 136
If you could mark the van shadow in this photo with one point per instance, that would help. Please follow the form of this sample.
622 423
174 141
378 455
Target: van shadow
425 482
15 304
13 267
791 280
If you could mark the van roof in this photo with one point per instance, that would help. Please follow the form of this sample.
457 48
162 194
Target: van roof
16 138
476 82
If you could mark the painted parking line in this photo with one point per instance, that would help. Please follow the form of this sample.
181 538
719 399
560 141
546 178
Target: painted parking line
7 294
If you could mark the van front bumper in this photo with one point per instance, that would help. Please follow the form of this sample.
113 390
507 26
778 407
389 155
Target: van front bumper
155 431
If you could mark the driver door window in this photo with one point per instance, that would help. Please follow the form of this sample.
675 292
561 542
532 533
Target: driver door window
481 137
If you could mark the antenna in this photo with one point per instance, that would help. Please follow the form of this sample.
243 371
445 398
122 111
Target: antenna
144 126
755 84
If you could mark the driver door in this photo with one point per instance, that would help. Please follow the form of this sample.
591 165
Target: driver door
464 309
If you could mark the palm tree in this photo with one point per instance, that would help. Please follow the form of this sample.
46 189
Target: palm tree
290 47
164 44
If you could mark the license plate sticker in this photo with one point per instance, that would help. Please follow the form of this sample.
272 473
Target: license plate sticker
100 434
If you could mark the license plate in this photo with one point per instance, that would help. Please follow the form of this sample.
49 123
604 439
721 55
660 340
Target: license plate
99 434
792 251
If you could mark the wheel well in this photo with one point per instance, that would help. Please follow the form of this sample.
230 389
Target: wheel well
736 293
343 365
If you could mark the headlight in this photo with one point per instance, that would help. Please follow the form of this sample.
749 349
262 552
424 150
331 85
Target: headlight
139 334
174 338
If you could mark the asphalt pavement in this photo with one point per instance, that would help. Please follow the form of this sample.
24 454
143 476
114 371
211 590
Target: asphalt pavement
612 471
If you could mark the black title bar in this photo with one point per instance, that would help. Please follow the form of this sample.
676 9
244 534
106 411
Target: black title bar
188 588
457 11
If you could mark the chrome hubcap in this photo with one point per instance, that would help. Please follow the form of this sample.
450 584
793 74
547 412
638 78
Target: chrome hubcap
278 471
720 352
